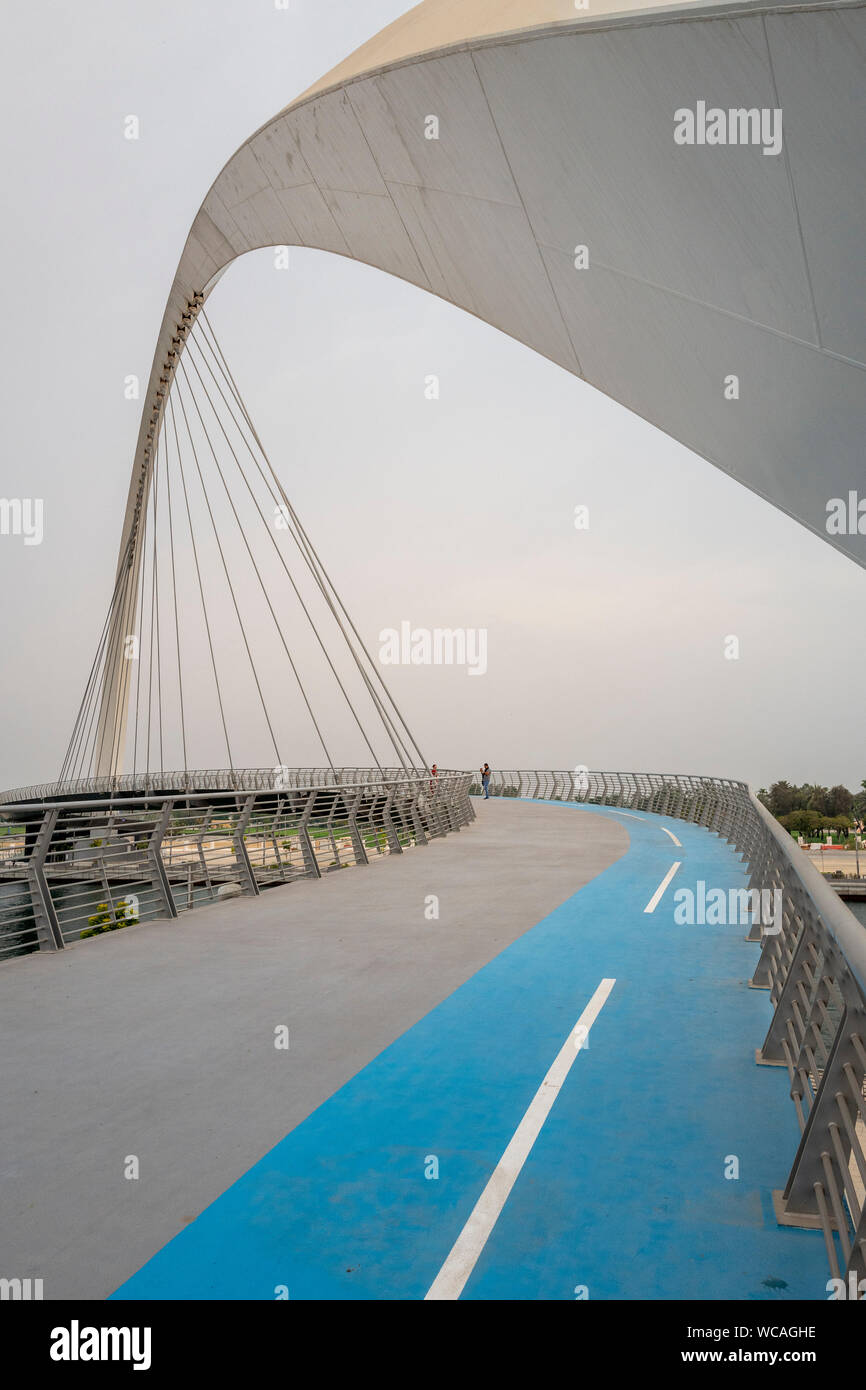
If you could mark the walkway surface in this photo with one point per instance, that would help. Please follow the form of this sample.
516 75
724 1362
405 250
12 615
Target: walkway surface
366 1161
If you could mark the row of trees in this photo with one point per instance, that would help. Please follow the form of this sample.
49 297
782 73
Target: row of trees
811 808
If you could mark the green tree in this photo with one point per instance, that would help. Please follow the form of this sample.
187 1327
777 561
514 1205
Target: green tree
802 822
841 823
782 799
841 801
819 800
821 807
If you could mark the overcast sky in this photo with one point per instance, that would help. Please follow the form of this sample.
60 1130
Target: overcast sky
606 646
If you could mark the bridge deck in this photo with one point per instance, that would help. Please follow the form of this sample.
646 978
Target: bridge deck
410 1040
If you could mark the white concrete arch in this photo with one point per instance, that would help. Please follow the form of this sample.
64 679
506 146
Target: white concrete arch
556 131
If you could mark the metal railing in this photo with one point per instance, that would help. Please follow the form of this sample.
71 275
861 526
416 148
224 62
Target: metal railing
813 962
77 868
207 779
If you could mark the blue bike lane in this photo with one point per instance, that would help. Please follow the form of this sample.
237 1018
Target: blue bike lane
623 1193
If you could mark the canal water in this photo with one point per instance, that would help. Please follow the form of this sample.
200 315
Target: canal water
859 910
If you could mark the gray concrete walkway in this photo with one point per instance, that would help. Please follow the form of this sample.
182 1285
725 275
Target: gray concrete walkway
158 1042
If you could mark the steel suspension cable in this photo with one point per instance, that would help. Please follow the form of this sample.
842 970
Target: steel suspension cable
116 637
174 601
77 727
253 562
125 632
198 576
288 512
154 623
115 679
225 565
101 719
311 558
138 662
282 560
279 552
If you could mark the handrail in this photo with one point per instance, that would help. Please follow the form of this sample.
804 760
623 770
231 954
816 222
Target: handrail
241 779
16 808
204 779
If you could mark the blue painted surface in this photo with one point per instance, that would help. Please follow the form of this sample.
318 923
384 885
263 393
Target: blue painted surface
624 1191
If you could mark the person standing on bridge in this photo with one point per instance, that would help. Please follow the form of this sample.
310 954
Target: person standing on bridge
485 780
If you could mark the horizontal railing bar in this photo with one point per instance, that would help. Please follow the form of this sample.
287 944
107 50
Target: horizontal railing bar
204 779
159 798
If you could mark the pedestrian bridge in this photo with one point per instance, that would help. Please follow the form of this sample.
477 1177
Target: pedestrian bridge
498 1066
519 1061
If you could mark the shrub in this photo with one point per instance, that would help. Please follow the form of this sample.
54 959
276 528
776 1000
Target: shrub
101 921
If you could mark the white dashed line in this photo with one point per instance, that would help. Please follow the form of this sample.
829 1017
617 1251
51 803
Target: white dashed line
677 842
451 1279
658 894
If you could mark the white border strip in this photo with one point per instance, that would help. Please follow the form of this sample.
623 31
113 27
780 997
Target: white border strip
451 1279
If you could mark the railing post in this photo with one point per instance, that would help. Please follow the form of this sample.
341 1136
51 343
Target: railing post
44 911
437 813
251 886
797 979
275 820
798 1204
448 812
466 810
420 832
390 833
771 950
154 854
358 845
311 863
770 881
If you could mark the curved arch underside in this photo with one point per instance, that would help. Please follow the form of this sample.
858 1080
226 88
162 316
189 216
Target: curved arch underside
704 262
